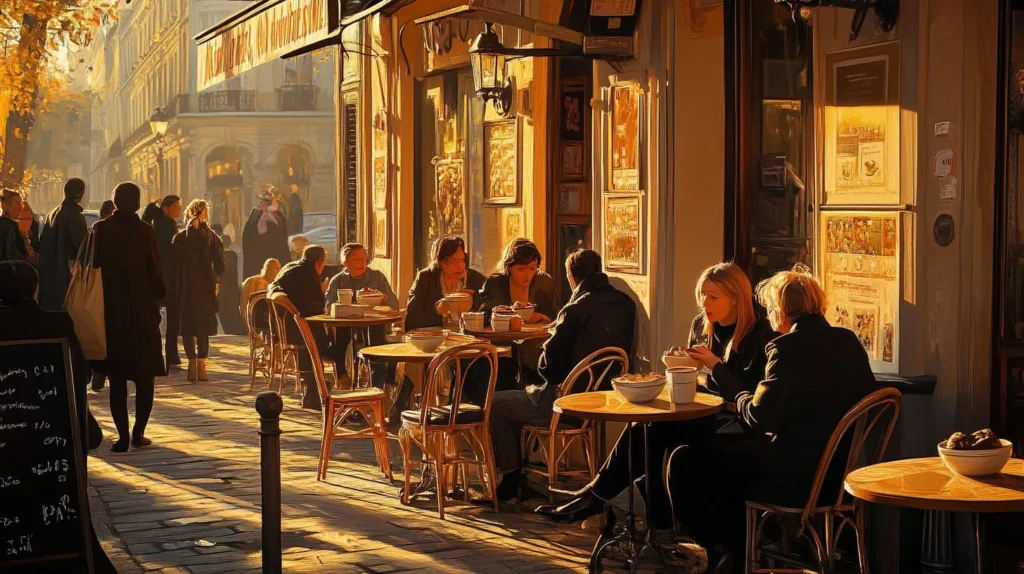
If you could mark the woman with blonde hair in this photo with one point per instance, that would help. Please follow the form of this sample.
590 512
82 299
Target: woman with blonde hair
199 260
814 374
728 338
271 267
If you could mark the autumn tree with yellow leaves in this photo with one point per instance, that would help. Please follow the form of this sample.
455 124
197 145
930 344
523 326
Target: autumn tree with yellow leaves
32 35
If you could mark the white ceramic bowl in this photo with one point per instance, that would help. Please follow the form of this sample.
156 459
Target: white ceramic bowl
976 462
526 313
639 392
673 361
426 342
371 300
344 311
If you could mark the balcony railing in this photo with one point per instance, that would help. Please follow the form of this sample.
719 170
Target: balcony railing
227 101
297 98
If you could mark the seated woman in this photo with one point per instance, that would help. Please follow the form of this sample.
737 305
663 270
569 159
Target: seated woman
815 373
271 267
728 337
447 274
519 281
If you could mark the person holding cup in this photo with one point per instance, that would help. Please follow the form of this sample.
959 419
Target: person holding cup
727 337
447 275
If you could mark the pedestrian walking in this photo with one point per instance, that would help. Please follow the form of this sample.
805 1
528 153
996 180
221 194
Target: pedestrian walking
13 245
199 256
98 378
126 253
62 235
165 225
230 293
265 234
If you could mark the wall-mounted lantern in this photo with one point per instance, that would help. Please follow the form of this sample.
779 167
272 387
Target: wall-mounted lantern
489 59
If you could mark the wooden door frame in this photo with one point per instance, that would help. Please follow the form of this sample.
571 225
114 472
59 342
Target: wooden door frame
737 106
998 406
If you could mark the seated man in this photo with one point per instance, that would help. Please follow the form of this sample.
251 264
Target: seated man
355 276
596 316
300 281
815 374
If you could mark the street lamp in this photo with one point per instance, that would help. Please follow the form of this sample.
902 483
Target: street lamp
158 123
489 59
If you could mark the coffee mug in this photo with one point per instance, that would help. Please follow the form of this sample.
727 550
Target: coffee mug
682 384
500 322
345 296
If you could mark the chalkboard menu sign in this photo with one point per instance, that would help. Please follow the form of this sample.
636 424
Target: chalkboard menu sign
44 510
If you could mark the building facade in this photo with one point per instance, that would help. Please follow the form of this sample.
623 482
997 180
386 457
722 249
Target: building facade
271 126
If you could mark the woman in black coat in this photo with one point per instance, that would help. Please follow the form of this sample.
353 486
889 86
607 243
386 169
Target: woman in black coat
230 295
199 255
448 274
728 337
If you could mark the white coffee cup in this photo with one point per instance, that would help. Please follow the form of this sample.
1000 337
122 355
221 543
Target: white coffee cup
682 384
500 322
345 296
474 321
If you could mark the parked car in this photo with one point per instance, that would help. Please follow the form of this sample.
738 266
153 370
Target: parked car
313 220
325 236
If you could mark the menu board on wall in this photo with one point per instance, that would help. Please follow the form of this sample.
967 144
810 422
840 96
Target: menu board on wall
860 272
44 512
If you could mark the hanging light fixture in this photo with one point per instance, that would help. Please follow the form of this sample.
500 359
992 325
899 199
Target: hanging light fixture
158 122
489 59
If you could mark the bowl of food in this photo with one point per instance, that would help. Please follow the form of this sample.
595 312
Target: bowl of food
677 357
370 297
639 388
343 311
426 340
524 310
458 303
977 454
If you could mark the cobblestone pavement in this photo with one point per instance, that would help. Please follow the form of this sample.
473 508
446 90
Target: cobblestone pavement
191 502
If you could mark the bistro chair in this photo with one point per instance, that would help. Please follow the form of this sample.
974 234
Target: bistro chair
285 354
261 354
338 407
436 428
867 427
557 439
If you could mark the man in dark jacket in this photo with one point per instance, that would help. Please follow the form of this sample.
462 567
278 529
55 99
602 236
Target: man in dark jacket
127 255
264 235
12 243
62 235
300 281
815 374
165 227
596 316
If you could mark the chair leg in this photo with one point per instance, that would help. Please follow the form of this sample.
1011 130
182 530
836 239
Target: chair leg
403 441
441 471
861 532
830 543
552 466
750 561
591 452
325 442
492 472
381 439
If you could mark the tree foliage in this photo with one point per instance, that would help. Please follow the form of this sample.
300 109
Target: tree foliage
36 36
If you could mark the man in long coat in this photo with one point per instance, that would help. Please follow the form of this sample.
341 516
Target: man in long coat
62 235
127 255
265 235
165 226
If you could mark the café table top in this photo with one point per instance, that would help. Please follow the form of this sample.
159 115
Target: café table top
610 406
370 319
926 484
527 333
408 353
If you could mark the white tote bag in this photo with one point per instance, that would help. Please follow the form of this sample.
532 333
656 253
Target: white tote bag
84 302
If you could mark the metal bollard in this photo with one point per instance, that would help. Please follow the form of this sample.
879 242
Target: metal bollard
269 406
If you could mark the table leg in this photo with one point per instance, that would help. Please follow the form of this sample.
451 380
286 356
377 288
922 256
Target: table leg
979 543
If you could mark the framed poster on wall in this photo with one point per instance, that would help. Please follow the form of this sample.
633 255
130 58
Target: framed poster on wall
623 237
626 136
501 165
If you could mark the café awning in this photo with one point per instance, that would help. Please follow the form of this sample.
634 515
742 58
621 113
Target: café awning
271 29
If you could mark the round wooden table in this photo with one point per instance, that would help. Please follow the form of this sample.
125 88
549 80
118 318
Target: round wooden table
926 484
370 319
610 406
534 332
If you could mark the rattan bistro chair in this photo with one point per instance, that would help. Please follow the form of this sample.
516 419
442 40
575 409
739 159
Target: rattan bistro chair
261 354
339 406
868 427
438 425
556 440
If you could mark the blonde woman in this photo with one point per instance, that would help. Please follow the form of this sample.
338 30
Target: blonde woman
727 337
814 375
199 258
271 267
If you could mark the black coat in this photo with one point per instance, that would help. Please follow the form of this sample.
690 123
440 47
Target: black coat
597 316
426 292
230 295
132 288
745 365
62 235
295 214
496 291
199 262
815 374
12 242
165 229
257 247
300 282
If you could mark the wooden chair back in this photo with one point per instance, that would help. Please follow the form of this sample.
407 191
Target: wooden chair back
598 366
250 316
458 359
869 425
278 319
281 300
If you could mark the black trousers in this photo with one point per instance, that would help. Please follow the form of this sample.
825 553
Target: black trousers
380 372
144 389
662 439
171 339
326 347
190 342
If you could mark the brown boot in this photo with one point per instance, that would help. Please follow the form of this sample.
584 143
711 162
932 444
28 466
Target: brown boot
193 371
202 370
